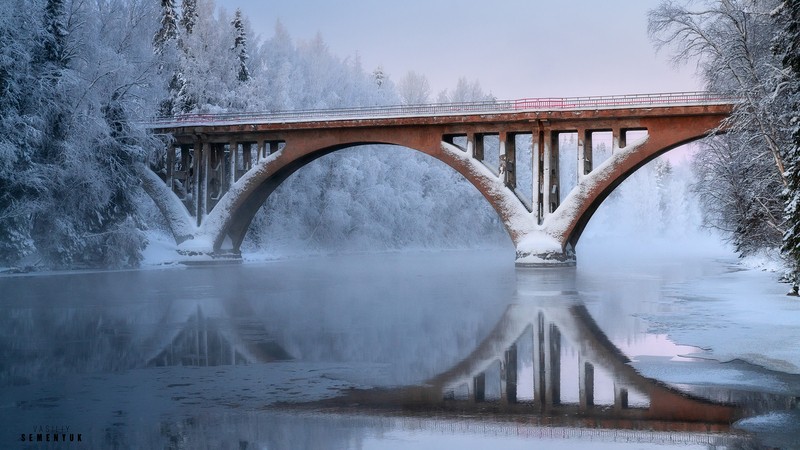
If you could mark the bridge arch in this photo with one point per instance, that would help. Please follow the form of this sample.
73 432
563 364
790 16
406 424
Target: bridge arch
233 225
592 191
580 222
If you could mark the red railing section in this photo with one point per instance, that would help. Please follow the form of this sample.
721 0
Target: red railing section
444 109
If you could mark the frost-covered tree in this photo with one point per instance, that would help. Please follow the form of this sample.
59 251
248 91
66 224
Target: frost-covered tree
414 89
465 91
379 75
188 15
730 41
240 46
55 35
169 26
786 46
66 144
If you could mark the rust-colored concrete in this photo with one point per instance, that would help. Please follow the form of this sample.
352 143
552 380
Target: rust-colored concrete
668 127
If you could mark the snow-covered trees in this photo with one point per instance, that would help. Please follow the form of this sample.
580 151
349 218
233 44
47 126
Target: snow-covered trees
169 26
465 91
240 46
79 71
414 89
742 175
787 47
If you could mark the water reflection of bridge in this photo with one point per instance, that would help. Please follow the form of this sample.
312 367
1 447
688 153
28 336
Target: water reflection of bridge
212 341
545 331
490 377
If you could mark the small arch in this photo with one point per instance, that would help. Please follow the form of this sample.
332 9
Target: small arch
580 222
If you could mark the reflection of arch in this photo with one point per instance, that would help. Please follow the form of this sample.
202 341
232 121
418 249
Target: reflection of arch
544 234
551 325
233 338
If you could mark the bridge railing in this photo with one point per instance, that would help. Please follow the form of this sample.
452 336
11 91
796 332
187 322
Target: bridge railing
442 109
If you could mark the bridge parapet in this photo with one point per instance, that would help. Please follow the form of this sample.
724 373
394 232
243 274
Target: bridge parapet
448 109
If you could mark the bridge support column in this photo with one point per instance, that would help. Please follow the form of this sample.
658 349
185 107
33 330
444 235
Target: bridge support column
233 163
201 180
536 175
539 249
588 153
477 146
555 174
508 158
584 153
617 140
547 171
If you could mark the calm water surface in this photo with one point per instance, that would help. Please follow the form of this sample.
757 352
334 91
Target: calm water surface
437 350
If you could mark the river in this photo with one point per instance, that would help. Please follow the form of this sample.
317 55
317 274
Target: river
452 349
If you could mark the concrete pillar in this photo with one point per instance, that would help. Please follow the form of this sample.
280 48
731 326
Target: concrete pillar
201 179
479 388
536 176
510 365
554 173
233 164
584 153
471 144
508 147
262 149
185 170
170 165
247 153
617 140
587 152
585 384
477 147
547 162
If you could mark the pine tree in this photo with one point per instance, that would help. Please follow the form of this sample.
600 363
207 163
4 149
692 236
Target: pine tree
189 17
55 33
379 75
240 46
787 46
169 26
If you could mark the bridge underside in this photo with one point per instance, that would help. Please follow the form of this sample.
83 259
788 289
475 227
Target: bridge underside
215 176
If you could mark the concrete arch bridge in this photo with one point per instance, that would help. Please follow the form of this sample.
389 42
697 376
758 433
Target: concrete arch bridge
221 168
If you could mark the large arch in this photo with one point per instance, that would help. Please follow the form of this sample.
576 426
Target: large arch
232 217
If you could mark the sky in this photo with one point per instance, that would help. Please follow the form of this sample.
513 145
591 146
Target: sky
514 48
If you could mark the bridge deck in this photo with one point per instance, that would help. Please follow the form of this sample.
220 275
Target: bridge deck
531 106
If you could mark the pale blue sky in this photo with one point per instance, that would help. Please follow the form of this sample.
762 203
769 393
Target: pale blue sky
515 48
